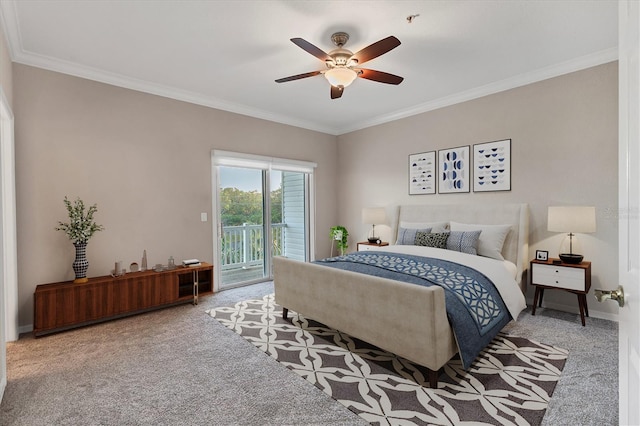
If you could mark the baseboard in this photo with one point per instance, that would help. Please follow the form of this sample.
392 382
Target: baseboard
25 328
3 385
574 310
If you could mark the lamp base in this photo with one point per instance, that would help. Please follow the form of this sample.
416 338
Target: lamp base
571 258
373 240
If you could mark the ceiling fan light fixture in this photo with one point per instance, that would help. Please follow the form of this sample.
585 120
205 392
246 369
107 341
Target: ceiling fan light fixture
340 76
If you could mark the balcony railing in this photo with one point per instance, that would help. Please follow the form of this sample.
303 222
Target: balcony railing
242 245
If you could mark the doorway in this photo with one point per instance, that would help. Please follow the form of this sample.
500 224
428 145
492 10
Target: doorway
261 210
8 245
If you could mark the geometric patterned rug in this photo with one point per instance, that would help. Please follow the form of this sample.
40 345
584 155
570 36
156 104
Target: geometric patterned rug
510 383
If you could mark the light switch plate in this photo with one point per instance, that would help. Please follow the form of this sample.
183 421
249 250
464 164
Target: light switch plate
203 217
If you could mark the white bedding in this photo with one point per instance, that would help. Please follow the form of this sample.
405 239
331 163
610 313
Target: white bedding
501 272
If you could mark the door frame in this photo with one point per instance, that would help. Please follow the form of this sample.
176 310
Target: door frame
237 159
8 248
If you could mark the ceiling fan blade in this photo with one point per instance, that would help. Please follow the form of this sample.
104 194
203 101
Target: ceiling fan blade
310 48
336 92
376 49
297 77
379 76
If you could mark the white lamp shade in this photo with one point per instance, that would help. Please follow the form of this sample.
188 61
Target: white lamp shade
374 215
340 76
580 219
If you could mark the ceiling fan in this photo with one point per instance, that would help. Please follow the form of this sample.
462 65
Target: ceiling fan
342 64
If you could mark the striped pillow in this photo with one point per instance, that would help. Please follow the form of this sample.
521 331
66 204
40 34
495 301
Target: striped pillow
465 242
408 236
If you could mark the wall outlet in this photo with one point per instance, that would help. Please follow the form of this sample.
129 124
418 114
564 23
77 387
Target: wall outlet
203 217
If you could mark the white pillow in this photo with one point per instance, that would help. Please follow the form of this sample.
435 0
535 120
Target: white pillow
436 227
491 238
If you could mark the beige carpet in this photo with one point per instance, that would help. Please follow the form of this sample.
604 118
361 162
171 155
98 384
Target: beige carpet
179 366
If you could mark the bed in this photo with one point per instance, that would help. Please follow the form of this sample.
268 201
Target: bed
406 319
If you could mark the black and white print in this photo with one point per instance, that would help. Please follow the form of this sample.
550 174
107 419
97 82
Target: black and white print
422 173
492 166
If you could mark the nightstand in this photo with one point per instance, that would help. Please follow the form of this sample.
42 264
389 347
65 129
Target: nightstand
575 279
366 245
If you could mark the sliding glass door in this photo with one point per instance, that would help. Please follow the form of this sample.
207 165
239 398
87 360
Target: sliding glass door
262 211
242 209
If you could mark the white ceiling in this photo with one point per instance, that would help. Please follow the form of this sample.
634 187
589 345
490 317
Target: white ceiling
227 54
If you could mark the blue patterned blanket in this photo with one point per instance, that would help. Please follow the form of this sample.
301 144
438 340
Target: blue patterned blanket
475 309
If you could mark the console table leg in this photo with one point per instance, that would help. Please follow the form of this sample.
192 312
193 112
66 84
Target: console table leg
285 313
195 287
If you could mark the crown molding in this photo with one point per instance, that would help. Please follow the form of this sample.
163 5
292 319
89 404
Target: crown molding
11 27
101 76
10 23
577 64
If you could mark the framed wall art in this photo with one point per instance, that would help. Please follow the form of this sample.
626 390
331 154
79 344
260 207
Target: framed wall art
492 166
422 173
454 167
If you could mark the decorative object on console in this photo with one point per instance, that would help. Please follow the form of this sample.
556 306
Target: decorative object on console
570 219
118 270
79 229
171 263
143 267
492 166
340 235
422 173
372 216
453 170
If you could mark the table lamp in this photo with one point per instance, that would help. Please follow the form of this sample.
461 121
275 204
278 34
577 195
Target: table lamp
372 216
571 219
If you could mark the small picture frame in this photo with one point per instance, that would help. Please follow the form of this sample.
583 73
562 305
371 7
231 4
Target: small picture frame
542 255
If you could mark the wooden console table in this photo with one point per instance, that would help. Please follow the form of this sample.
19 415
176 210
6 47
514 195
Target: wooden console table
65 305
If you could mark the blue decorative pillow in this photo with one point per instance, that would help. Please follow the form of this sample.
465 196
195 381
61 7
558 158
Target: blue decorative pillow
407 236
437 240
465 242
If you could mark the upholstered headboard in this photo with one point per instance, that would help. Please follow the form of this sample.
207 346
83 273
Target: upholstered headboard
516 245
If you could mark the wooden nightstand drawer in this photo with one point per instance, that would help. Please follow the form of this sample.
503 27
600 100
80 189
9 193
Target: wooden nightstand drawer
558 276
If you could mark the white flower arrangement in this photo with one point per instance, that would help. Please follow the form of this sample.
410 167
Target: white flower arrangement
81 225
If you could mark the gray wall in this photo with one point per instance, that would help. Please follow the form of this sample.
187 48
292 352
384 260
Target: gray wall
145 160
564 134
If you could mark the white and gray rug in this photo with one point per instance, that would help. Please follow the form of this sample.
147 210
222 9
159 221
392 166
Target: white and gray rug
510 383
